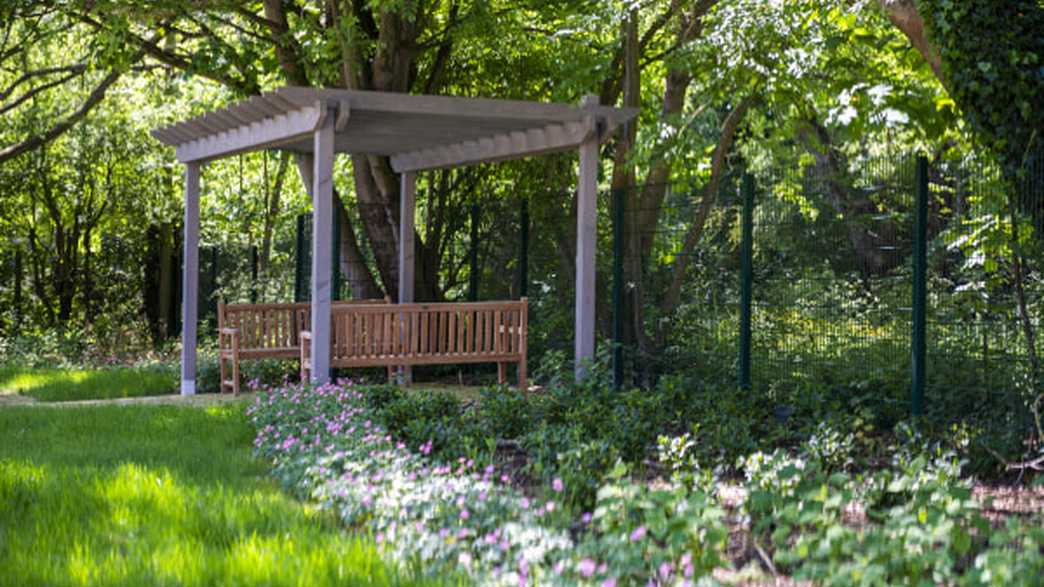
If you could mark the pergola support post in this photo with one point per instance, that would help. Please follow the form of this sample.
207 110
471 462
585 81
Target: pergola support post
190 280
322 211
407 207
586 226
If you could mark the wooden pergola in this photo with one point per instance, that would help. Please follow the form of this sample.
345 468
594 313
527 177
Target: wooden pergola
417 133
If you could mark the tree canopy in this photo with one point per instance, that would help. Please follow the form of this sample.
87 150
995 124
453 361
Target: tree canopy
724 85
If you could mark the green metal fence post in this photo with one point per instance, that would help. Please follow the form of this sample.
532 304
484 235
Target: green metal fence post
18 291
746 281
919 303
473 276
179 274
213 301
523 253
299 246
335 256
618 244
253 274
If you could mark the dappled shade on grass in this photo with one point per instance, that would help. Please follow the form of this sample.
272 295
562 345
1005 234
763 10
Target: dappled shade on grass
80 384
158 495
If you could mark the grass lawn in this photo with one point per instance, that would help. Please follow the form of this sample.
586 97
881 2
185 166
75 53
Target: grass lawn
55 385
159 495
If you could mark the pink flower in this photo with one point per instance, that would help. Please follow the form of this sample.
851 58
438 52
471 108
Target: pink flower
465 514
638 534
610 582
586 518
587 567
665 570
557 485
426 448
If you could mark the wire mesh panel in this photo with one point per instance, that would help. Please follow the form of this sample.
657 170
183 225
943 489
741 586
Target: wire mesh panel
833 281
832 276
978 357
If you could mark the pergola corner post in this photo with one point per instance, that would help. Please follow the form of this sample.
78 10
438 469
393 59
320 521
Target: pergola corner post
190 280
322 211
586 232
407 211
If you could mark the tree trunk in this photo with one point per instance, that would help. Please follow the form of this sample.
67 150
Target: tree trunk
150 282
624 179
866 234
906 18
272 209
353 264
166 280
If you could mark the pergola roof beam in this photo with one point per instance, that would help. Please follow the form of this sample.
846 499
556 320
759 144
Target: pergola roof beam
498 147
293 126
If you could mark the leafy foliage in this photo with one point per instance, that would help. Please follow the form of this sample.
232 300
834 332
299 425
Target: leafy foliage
997 84
910 521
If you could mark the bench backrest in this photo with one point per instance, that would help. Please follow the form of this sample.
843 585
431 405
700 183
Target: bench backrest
431 331
274 326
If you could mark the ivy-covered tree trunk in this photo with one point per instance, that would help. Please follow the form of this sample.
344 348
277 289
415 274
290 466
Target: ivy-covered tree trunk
997 86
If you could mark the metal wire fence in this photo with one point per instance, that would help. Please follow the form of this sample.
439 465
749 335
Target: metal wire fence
829 260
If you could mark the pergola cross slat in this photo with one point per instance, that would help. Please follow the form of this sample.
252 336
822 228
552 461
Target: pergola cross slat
418 133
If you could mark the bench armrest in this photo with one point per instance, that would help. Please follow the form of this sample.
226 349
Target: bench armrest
228 338
305 335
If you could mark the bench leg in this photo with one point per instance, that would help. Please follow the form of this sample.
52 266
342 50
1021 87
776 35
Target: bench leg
235 375
522 384
501 373
224 372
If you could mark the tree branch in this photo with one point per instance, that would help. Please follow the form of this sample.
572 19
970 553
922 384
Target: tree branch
710 191
906 18
60 128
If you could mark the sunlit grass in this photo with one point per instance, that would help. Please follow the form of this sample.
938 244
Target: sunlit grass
77 384
159 495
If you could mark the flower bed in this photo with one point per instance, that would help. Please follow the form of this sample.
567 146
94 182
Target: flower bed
460 518
802 517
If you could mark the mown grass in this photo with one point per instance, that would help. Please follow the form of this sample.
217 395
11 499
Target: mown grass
56 385
159 495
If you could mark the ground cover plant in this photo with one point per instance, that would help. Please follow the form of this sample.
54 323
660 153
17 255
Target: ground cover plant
159 495
676 510
53 385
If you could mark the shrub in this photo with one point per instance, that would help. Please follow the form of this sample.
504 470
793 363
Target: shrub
921 525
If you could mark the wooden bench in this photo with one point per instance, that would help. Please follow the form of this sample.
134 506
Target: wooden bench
263 331
401 335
